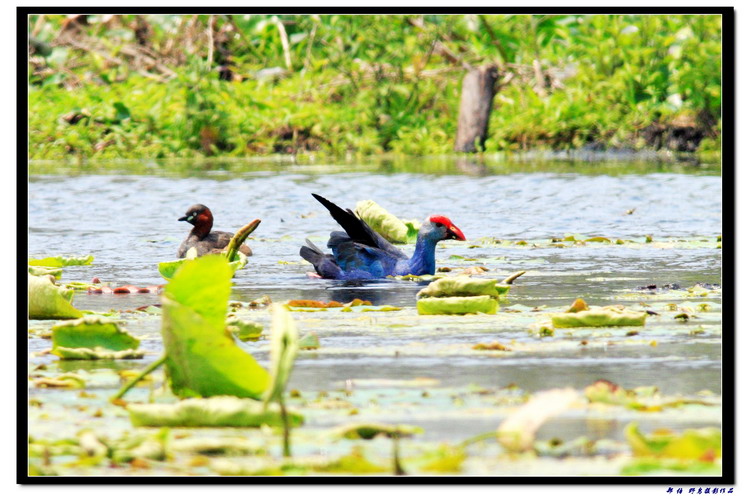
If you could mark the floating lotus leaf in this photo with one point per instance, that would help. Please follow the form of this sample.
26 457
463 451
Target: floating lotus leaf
97 353
368 431
213 411
47 301
62 261
202 360
140 446
386 224
609 316
244 330
67 380
457 305
693 444
217 446
351 464
309 342
91 333
461 286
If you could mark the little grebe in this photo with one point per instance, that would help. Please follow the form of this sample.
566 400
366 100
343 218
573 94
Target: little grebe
201 238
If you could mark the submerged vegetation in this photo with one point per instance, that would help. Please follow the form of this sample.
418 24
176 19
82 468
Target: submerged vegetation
175 86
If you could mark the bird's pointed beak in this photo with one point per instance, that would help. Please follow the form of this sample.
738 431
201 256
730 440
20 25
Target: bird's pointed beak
186 218
455 233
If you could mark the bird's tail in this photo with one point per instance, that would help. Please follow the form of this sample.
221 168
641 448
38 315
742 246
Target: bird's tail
325 265
311 253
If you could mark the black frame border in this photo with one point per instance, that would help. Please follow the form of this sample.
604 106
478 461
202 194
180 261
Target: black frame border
729 343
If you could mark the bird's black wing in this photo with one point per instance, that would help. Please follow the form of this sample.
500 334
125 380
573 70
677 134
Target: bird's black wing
358 230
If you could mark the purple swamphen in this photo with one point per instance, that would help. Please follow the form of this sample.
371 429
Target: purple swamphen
362 253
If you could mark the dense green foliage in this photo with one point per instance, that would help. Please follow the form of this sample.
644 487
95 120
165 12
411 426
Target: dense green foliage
164 86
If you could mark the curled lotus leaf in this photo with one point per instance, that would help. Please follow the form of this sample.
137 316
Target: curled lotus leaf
457 305
609 316
518 431
201 358
55 272
384 223
48 301
461 286
232 250
209 412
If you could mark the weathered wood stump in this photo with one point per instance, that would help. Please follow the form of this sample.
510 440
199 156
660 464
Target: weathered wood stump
477 93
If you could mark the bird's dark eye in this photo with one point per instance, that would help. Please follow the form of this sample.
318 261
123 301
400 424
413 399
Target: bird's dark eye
195 213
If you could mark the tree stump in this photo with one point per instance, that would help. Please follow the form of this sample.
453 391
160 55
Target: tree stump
477 93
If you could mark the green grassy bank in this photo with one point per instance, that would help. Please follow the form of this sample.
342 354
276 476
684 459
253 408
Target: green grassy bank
177 86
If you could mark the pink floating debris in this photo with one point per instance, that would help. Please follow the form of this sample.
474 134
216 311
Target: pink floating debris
127 289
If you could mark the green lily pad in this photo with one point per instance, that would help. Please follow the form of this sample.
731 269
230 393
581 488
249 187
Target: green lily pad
62 261
202 360
208 412
606 392
462 286
47 301
457 305
389 226
702 444
91 332
609 316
